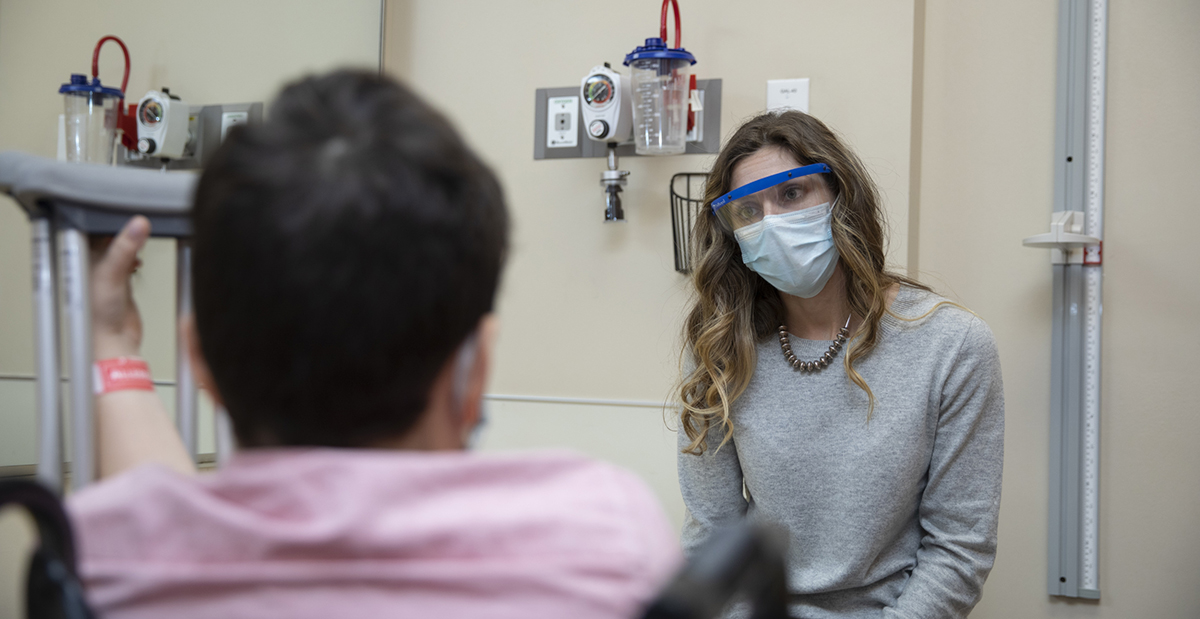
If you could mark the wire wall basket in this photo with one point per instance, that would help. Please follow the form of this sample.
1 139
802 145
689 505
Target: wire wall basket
687 198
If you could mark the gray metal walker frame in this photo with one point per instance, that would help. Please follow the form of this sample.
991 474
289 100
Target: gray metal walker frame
65 203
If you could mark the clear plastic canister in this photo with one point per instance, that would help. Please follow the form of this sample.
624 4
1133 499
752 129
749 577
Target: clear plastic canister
659 78
660 105
91 120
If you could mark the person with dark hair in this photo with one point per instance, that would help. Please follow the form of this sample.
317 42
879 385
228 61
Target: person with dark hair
347 254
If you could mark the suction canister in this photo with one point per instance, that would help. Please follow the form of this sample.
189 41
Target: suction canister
660 78
90 119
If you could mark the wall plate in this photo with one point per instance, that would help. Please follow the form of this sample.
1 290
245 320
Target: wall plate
710 133
562 122
788 94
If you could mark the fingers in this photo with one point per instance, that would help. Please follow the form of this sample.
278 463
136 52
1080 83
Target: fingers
119 257
98 245
116 325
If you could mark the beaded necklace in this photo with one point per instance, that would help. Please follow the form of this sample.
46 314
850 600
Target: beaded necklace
821 362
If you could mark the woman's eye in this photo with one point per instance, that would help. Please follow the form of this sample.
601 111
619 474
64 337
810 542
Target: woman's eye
792 193
748 212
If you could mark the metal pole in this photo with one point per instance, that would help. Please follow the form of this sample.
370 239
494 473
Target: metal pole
76 293
49 394
185 382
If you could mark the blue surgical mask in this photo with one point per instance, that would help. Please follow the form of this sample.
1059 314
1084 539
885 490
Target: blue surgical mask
794 252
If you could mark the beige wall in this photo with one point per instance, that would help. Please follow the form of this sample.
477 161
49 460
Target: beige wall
592 310
986 182
988 147
1150 501
16 543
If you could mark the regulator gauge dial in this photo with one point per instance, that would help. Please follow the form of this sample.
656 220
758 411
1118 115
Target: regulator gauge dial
598 90
151 112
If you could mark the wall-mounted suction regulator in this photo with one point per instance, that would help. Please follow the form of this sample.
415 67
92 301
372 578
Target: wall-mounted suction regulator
162 125
607 115
608 118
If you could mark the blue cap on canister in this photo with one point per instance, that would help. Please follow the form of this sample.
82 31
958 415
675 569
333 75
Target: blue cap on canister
657 48
80 86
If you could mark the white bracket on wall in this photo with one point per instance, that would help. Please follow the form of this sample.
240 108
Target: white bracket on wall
1065 240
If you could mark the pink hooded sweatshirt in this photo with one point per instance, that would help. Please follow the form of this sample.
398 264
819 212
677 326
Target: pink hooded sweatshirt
373 533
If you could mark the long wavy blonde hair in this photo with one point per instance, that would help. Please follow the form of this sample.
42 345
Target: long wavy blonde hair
735 309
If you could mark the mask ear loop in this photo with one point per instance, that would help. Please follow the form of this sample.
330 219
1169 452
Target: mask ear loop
465 358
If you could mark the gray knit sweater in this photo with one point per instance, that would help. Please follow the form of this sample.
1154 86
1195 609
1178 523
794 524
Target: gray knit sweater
895 517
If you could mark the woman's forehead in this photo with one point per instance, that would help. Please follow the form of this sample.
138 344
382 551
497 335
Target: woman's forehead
764 162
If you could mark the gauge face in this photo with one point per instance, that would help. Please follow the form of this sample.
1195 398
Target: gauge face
598 90
151 112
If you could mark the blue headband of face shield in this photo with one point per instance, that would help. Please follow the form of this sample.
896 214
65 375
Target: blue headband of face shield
722 206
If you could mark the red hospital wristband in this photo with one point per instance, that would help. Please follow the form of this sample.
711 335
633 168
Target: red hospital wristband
121 374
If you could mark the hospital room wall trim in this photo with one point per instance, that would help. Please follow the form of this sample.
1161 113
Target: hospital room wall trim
382 33
914 157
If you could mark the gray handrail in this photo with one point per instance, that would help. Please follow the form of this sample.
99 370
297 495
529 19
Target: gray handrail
31 180
65 203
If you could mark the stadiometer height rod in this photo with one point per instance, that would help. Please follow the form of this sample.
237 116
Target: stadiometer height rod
1077 227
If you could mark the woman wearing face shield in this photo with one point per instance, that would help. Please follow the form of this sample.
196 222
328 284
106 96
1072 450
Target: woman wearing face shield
845 402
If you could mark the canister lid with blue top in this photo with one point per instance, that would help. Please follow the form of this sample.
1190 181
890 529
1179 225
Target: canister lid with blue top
80 86
657 49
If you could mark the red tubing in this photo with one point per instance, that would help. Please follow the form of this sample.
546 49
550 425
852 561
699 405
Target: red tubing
662 29
125 80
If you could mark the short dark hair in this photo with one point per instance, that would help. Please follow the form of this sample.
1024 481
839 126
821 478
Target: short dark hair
343 250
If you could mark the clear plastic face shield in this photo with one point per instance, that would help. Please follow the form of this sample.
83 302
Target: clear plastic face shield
779 194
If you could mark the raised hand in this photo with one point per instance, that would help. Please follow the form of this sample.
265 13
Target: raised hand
116 323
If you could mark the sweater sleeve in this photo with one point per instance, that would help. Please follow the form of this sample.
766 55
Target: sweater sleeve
961 501
711 484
